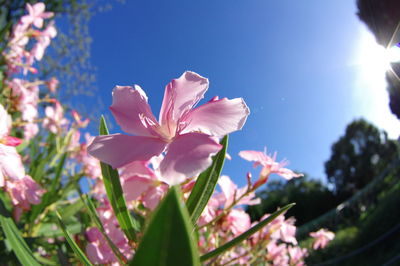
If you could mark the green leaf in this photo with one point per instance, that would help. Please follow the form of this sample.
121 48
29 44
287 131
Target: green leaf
13 236
78 252
246 234
51 195
168 238
95 218
115 194
47 229
71 209
205 184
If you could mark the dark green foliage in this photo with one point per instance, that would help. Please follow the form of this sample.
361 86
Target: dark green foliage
312 199
393 87
357 157
382 18
372 240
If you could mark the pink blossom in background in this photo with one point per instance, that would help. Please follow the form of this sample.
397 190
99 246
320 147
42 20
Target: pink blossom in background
36 14
277 253
270 166
140 182
187 134
230 193
52 84
43 39
322 238
98 250
236 221
297 255
91 166
54 120
78 119
23 193
26 98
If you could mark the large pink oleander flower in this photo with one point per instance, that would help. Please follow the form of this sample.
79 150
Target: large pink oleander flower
186 134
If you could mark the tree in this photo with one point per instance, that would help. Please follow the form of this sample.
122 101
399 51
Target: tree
358 156
382 18
311 196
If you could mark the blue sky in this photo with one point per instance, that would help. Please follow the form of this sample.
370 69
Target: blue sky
303 68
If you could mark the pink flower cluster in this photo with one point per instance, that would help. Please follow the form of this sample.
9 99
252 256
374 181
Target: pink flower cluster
154 155
22 189
98 250
29 26
322 238
187 135
174 150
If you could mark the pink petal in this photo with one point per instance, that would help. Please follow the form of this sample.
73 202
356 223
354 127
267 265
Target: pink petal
153 196
218 118
132 112
254 156
188 155
10 163
138 168
287 173
180 96
228 188
135 186
38 8
118 150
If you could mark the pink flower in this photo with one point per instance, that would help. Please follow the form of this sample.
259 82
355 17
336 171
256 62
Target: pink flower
236 221
277 254
297 255
98 250
91 166
52 84
36 14
23 193
54 120
322 238
231 193
10 161
184 132
269 165
43 41
27 97
140 182
78 119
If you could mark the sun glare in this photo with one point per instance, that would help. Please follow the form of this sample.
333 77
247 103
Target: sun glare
370 95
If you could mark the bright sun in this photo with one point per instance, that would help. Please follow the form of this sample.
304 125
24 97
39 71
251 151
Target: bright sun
370 94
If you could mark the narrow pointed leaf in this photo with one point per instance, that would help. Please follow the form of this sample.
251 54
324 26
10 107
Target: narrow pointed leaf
115 194
245 235
95 218
168 238
206 183
17 243
77 250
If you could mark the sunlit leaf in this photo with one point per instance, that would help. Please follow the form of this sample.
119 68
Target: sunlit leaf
14 238
168 238
205 184
246 234
115 194
78 252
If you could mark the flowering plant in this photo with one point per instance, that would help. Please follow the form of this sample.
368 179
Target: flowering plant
151 197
